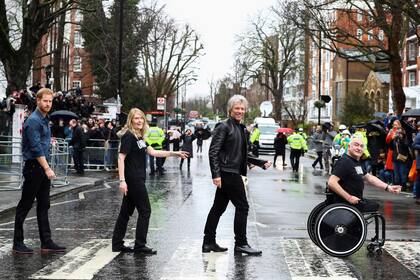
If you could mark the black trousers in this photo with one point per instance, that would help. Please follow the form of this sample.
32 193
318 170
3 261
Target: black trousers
318 159
188 162
200 147
294 158
159 164
78 160
367 205
283 157
35 185
136 198
232 190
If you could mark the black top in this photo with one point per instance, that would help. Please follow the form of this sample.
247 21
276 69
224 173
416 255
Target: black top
351 175
135 160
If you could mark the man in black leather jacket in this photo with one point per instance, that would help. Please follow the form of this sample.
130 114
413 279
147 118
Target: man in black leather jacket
228 163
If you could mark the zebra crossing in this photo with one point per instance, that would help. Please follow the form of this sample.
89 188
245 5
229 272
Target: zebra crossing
304 261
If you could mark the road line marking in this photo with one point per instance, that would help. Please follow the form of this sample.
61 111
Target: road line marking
406 253
307 262
82 262
189 263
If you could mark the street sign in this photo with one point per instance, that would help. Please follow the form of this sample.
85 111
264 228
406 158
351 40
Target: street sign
160 102
266 108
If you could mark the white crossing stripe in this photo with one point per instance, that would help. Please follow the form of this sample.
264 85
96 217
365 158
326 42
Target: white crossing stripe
195 264
307 262
407 253
5 247
82 262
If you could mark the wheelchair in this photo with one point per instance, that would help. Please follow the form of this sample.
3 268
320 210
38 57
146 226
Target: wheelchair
340 229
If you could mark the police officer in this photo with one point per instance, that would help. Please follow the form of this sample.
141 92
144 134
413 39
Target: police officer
255 140
297 146
155 138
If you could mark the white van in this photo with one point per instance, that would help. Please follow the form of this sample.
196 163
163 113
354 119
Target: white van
264 121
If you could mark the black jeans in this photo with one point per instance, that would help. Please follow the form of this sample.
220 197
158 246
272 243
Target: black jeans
233 190
294 158
78 160
138 198
182 162
159 164
283 156
200 147
318 159
36 185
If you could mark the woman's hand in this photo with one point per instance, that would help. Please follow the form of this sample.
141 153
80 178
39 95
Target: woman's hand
123 188
182 154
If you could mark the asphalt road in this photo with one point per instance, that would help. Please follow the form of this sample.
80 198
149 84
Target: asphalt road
280 203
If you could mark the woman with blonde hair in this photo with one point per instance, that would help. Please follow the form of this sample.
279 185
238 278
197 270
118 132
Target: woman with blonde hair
132 175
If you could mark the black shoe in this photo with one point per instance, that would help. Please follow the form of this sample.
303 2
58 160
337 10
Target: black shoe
313 166
123 249
207 248
21 248
152 173
52 248
284 164
145 250
246 249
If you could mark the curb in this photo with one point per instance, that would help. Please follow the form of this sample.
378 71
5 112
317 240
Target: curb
76 189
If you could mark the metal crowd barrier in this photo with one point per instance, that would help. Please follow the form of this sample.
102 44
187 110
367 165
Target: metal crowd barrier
59 161
10 162
100 154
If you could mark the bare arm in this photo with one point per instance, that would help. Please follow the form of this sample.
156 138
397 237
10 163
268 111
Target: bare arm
380 184
336 188
48 171
157 153
121 174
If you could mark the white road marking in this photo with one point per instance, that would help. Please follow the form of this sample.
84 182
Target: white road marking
82 262
189 263
307 262
81 197
407 253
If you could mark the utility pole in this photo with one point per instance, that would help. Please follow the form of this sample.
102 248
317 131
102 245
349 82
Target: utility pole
319 77
120 45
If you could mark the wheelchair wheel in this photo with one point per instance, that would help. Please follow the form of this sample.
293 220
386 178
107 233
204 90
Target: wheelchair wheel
310 224
340 230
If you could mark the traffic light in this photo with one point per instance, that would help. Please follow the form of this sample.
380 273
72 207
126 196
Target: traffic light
326 98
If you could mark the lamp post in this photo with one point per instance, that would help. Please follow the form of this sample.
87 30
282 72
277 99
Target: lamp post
47 70
120 44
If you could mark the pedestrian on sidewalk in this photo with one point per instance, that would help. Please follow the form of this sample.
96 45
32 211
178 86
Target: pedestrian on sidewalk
416 148
37 174
280 147
228 163
79 141
132 175
318 143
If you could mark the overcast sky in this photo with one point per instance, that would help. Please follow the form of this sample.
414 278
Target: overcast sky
217 22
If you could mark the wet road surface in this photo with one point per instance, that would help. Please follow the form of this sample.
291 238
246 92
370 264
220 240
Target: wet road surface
280 202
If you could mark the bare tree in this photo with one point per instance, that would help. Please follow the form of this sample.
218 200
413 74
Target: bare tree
270 52
22 25
168 57
385 22
213 87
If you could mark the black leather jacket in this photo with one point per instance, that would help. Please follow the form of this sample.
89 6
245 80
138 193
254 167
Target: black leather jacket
225 151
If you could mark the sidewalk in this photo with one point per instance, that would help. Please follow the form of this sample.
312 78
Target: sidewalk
10 198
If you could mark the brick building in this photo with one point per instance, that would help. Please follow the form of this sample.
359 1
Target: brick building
75 69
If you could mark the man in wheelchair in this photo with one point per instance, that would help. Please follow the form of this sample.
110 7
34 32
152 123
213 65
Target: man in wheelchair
347 180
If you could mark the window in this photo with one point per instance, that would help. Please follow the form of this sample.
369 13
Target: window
77 39
381 35
77 64
77 84
78 16
411 79
370 37
359 34
411 51
359 17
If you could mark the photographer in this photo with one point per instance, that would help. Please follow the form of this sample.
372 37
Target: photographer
401 157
